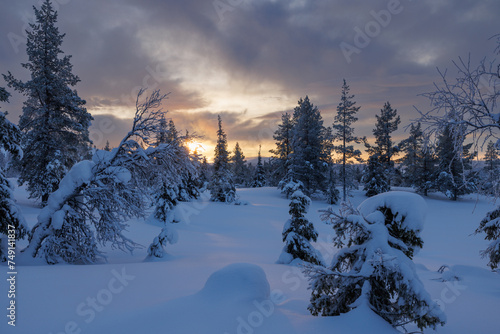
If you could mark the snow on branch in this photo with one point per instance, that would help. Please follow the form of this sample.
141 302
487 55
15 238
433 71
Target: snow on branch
97 196
468 104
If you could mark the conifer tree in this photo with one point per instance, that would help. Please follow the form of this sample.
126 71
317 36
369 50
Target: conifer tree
54 120
204 174
260 177
374 177
374 269
384 149
418 162
298 232
308 160
107 148
11 220
238 165
344 134
281 155
491 169
221 186
450 177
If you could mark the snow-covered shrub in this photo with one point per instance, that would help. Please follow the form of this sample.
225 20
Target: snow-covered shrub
374 178
375 267
168 235
298 232
165 201
288 187
10 214
332 194
491 226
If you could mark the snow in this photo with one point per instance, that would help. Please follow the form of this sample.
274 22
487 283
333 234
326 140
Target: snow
221 276
403 203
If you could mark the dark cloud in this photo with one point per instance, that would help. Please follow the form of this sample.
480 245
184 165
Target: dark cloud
269 49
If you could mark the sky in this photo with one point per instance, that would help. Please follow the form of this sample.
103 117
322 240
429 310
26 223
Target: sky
251 60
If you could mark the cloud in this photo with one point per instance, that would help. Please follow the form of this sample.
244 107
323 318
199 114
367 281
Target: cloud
255 59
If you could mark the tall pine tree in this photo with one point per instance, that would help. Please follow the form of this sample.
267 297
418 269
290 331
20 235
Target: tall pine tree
54 121
418 162
451 175
308 160
344 134
281 155
384 149
260 174
238 165
221 186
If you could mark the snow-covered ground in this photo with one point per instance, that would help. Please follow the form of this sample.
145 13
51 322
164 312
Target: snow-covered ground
222 277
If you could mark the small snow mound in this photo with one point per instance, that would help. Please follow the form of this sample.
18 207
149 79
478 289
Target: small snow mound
407 204
238 281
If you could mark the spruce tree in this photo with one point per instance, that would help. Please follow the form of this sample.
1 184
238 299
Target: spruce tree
387 123
11 220
260 177
281 155
490 225
308 160
344 135
374 177
418 160
221 186
54 120
298 232
451 175
238 166
204 174
107 147
491 169
374 269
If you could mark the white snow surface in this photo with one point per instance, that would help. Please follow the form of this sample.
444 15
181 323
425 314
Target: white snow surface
408 204
221 277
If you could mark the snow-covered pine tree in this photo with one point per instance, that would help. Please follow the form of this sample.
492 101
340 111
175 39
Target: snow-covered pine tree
375 269
189 187
450 176
281 155
96 198
259 179
168 235
418 162
374 177
181 188
221 186
204 174
387 123
54 120
490 225
344 135
11 218
491 171
412 149
298 233
309 159
107 147
332 193
239 166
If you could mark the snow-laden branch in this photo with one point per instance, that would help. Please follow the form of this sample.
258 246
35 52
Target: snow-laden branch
96 197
